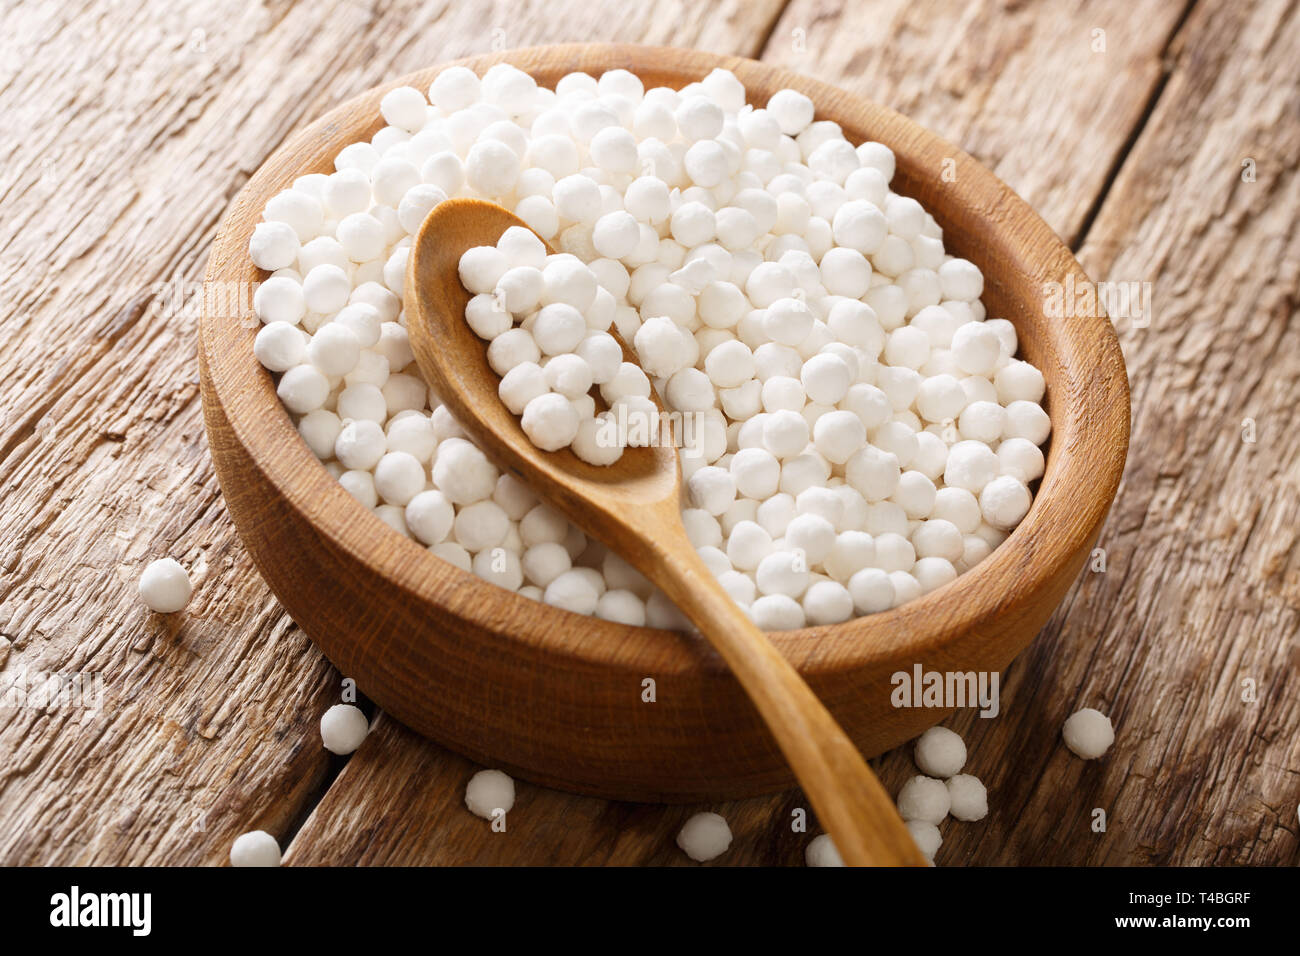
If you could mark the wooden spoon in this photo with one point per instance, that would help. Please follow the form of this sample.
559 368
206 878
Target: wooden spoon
634 507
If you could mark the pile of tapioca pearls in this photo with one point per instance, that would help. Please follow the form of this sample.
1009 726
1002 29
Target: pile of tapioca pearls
869 433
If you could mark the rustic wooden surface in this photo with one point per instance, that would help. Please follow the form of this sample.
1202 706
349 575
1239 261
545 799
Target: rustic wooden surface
125 128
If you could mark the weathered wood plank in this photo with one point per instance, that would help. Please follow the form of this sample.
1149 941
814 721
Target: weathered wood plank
1046 95
125 129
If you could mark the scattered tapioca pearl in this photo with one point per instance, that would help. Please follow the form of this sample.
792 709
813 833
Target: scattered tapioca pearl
1088 733
940 752
926 836
255 848
968 797
924 799
165 586
822 851
704 837
489 793
343 728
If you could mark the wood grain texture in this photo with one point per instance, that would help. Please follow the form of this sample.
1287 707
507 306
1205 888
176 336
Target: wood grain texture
1197 777
451 641
125 129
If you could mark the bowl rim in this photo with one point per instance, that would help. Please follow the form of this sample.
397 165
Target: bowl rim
1085 460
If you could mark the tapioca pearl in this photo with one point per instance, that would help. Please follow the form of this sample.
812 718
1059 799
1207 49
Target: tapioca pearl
772 359
921 288
1005 331
894 552
959 507
885 517
971 465
769 282
486 317
974 550
872 591
940 398
714 560
924 799
788 321
905 215
702 528
603 355
569 375
961 279
915 494
855 323
303 388
785 433
299 210
982 421
839 435
873 472
812 535
826 378
481 268
776 513
711 489
977 349
938 538
403 392
803 472
782 393
1088 733
280 299
572 591
1019 381
280 346
730 364
890 304
939 324
481 526
827 602
463 473
323 250
897 438
1028 421
784 573
520 385
550 421
513 347
908 347
931 454
869 403
414 435
1021 459
747 545
1004 502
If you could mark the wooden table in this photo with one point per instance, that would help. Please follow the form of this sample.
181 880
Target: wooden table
1162 140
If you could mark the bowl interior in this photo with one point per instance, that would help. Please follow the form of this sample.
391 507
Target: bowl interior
1087 394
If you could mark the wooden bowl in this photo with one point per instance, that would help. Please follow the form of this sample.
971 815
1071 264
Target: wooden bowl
558 698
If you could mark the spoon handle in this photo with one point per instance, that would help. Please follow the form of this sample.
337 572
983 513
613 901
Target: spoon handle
848 799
